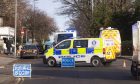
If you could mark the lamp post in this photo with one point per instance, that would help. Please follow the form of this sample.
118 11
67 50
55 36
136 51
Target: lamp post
92 6
26 35
33 31
15 27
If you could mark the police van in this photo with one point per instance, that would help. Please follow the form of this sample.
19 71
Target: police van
89 50
114 34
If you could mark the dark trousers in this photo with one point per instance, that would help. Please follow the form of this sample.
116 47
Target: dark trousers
8 50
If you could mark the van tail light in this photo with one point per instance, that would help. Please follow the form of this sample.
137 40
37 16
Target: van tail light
104 50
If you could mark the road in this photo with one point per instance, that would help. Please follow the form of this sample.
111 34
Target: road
81 74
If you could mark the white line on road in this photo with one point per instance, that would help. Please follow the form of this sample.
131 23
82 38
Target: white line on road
18 80
22 80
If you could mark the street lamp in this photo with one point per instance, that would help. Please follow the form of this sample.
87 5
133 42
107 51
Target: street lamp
33 31
92 6
15 27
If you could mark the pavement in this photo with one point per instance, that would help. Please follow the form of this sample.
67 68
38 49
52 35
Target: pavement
6 69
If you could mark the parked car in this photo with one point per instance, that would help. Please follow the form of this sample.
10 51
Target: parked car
30 51
40 48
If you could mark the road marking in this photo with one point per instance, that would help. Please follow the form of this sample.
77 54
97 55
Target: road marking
18 81
2 67
22 80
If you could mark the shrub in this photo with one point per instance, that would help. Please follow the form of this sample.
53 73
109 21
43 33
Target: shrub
127 48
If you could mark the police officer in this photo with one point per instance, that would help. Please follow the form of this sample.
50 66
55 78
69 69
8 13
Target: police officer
8 45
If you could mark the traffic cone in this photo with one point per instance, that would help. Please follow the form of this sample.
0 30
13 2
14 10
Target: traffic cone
124 63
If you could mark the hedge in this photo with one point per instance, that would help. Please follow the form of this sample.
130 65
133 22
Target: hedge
127 48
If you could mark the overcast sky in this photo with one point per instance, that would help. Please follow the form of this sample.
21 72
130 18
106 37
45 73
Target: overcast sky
52 8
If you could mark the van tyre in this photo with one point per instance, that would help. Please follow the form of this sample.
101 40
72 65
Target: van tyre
95 61
134 71
51 62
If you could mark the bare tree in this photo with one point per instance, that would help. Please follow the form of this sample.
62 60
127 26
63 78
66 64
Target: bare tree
116 13
43 26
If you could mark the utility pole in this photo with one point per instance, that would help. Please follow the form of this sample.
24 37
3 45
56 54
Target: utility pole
33 31
34 25
15 27
26 35
92 6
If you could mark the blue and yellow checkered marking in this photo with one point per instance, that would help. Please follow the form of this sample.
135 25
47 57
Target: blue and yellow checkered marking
75 51
57 52
89 50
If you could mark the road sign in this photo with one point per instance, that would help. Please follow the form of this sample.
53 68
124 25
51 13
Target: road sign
22 70
22 31
68 62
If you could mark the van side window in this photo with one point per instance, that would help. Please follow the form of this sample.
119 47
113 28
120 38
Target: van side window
63 45
80 43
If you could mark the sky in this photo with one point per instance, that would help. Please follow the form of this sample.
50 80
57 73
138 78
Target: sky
52 8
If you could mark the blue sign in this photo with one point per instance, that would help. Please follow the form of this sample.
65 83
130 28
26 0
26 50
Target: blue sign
68 62
22 70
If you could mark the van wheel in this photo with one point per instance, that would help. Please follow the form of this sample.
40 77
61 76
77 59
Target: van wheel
51 62
95 61
134 71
